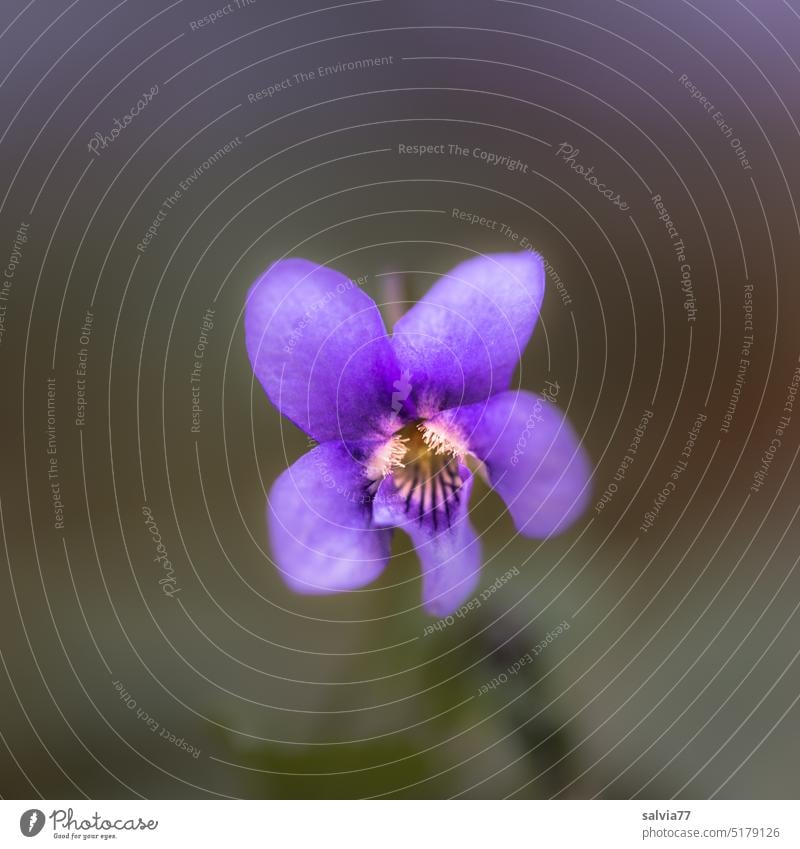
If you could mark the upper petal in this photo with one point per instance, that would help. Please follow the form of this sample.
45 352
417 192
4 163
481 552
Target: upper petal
318 345
463 340
320 525
436 518
534 458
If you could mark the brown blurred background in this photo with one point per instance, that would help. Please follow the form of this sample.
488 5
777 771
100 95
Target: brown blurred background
678 675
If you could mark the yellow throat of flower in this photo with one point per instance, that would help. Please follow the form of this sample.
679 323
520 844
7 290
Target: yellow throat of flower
423 460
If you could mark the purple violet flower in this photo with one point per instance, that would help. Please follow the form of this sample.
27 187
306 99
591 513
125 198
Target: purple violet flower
397 417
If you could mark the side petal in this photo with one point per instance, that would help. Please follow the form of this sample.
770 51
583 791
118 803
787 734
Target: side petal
462 341
320 524
534 459
437 520
318 346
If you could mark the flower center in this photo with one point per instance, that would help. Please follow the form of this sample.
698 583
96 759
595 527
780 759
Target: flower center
424 464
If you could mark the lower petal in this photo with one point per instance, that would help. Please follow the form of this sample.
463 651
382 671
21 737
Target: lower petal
320 523
437 520
534 459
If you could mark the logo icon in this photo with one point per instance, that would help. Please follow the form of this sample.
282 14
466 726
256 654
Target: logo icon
403 389
31 822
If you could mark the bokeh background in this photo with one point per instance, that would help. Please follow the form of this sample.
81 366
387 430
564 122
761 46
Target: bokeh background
678 673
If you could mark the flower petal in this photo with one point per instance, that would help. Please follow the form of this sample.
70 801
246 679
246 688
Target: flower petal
463 340
534 459
318 345
321 531
448 548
